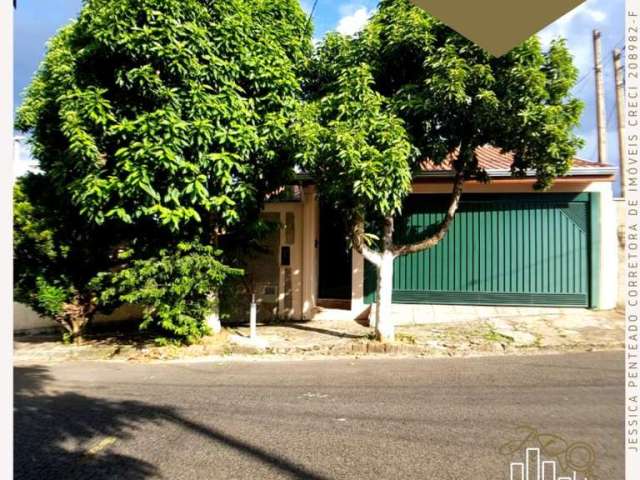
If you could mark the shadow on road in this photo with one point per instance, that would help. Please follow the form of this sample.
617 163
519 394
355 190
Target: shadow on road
72 436
54 432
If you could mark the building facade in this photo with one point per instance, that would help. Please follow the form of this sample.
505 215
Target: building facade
509 246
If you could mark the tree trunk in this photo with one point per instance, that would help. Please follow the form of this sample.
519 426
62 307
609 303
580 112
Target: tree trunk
432 240
76 316
385 329
77 329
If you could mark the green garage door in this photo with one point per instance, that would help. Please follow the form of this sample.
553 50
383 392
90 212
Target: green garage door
501 250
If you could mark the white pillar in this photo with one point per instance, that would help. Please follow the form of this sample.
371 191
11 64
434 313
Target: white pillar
213 320
253 320
608 249
310 237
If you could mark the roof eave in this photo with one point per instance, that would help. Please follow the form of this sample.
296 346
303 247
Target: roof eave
574 172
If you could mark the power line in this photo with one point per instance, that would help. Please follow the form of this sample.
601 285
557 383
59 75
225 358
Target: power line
584 77
612 111
313 10
617 45
581 84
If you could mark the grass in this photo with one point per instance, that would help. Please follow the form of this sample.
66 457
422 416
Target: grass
407 338
492 335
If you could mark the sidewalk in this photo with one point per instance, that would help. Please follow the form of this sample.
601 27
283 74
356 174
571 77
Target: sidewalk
512 336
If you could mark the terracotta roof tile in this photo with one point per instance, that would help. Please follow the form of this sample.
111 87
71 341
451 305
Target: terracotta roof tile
492 158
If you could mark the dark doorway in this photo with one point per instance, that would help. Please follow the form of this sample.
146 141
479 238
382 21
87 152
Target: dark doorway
334 280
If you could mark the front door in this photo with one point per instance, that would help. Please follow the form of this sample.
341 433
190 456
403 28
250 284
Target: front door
334 280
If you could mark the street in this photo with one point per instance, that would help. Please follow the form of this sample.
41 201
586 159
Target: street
434 419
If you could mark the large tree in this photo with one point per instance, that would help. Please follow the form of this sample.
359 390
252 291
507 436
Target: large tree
166 120
408 88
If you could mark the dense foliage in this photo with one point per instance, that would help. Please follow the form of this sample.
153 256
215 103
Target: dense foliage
171 111
173 288
160 126
157 122
355 147
451 93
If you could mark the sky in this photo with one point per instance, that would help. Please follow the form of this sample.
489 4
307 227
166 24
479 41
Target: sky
37 20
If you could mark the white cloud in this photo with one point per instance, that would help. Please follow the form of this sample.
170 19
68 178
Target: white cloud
353 19
563 26
598 15
576 26
23 162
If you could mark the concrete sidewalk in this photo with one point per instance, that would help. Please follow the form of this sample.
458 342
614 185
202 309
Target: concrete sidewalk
505 335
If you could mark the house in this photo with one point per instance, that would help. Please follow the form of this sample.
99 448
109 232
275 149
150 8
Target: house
509 246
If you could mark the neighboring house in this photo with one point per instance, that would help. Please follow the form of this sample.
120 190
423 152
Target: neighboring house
509 246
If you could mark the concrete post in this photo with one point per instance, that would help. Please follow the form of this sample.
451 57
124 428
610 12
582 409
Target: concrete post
600 104
619 77
213 320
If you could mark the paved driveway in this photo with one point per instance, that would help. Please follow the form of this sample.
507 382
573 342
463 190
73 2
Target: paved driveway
317 419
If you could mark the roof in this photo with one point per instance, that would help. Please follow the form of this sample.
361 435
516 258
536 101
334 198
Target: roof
498 164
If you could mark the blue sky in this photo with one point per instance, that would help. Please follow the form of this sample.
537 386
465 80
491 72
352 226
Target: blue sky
37 20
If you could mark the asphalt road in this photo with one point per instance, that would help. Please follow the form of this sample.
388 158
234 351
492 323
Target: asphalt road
316 419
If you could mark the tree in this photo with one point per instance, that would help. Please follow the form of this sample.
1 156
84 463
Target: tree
168 111
173 288
55 256
409 78
166 120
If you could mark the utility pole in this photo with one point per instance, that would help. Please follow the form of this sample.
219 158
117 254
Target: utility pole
602 114
617 69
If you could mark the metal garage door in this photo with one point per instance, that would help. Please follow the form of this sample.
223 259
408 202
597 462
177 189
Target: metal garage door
501 250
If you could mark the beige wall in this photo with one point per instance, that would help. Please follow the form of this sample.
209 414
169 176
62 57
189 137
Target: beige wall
26 320
608 249
516 186
296 258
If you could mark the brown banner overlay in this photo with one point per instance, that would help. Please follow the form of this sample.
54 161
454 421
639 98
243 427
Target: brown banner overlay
498 25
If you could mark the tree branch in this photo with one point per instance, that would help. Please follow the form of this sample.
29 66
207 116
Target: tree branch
360 245
433 240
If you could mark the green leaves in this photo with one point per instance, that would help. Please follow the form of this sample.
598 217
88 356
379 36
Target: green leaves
137 100
408 88
355 147
155 122
173 287
450 92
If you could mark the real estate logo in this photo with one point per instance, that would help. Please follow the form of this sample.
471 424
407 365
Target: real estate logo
497 25
547 456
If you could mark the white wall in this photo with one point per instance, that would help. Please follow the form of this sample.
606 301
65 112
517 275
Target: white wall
25 320
608 249
621 214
